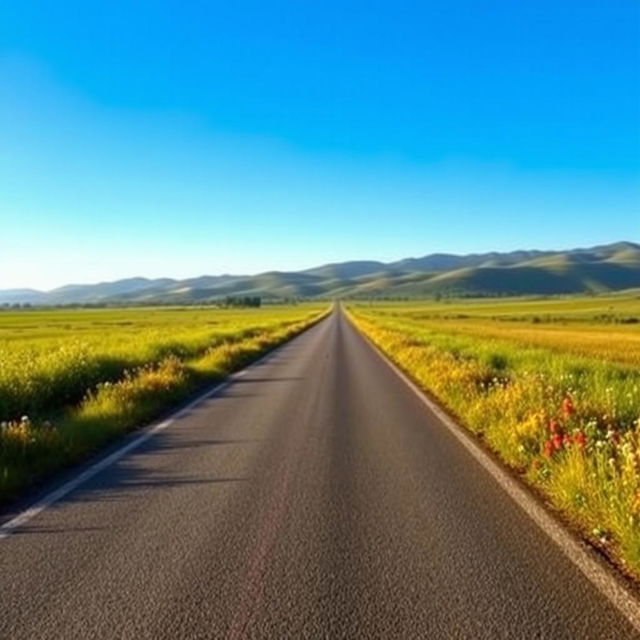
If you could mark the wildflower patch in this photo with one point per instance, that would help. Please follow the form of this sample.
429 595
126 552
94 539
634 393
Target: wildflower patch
568 421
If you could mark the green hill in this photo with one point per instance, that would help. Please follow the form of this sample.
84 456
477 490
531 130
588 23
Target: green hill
604 268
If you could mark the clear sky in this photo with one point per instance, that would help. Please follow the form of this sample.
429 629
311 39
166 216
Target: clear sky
177 138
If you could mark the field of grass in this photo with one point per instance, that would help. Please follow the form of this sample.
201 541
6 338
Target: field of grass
71 380
552 386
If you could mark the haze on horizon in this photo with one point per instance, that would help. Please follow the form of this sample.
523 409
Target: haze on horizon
174 139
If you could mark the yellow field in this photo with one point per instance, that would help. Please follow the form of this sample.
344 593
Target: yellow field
615 343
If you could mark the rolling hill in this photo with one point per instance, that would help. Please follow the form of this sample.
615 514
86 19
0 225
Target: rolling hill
597 269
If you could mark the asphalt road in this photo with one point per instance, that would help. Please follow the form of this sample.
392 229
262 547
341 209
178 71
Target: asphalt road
315 497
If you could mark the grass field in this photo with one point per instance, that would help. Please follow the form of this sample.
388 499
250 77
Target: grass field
552 386
71 380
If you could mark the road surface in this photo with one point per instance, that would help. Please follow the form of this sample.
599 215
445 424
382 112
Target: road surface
315 497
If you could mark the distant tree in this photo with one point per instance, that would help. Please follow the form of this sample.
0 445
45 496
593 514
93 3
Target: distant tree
242 301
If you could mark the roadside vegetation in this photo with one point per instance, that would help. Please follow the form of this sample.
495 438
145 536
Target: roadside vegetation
71 381
552 386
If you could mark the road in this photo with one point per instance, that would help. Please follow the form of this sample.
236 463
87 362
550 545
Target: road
314 497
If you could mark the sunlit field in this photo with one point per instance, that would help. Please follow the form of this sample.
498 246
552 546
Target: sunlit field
70 380
552 386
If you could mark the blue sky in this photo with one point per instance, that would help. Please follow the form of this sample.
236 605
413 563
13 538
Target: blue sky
180 138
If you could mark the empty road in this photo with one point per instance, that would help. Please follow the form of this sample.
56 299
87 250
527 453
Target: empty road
314 497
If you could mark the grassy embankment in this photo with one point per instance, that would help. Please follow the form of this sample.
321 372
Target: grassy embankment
71 381
552 386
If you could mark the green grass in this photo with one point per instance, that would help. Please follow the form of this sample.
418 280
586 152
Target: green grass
50 359
552 386
72 381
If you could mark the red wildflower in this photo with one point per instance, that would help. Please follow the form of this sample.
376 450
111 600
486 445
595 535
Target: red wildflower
557 442
567 406
580 439
548 449
554 426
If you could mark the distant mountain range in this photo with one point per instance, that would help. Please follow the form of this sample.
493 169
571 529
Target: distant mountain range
598 269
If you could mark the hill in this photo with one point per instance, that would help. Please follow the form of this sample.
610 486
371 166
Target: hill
604 268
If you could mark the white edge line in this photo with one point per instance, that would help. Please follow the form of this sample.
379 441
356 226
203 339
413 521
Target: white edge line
608 583
7 528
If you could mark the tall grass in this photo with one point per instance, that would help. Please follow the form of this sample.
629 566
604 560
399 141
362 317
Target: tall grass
50 359
569 423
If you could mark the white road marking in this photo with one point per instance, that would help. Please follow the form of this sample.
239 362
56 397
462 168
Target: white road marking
22 518
602 577
7 528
